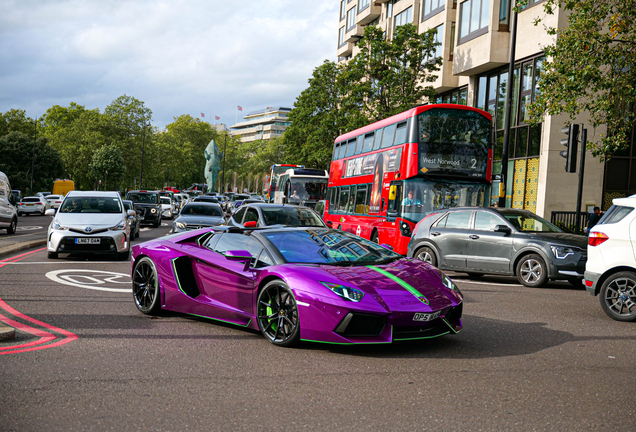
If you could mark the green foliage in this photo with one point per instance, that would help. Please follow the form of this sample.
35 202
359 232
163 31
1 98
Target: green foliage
590 68
16 120
108 165
385 78
18 150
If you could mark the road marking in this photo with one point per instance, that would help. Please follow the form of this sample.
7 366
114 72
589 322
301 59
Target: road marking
28 228
145 229
94 280
486 283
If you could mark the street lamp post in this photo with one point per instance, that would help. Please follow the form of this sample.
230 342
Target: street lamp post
224 152
143 148
106 181
35 137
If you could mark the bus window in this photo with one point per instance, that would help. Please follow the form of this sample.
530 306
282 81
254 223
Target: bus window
368 142
366 204
394 204
359 144
336 151
400 133
361 198
378 139
344 198
351 147
333 200
387 138
343 149
352 196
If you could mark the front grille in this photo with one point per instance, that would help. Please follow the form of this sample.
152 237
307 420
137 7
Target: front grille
67 244
194 227
95 231
435 328
455 313
356 324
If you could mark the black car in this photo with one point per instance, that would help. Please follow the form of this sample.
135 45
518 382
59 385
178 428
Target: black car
502 241
198 214
264 214
133 221
148 205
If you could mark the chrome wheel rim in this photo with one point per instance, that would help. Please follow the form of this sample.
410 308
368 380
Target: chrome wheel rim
144 285
278 313
531 271
425 256
620 297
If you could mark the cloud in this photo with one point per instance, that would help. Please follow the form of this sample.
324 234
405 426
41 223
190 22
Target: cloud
179 57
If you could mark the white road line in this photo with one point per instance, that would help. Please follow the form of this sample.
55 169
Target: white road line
486 283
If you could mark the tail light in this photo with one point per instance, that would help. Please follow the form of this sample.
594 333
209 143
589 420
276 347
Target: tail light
596 238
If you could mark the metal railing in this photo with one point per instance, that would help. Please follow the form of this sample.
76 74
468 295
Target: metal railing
566 220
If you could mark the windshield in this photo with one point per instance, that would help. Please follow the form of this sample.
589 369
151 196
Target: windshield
303 189
529 222
91 205
165 200
326 246
420 196
453 142
143 198
202 210
291 216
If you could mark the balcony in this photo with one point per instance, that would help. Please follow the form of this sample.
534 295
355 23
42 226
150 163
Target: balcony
345 50
369 14
482 53
379 2
355 34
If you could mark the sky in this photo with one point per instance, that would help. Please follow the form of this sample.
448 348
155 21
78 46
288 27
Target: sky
177 56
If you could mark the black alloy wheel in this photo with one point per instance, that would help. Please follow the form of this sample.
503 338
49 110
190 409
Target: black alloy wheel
618 296
427 255
277 313
145 285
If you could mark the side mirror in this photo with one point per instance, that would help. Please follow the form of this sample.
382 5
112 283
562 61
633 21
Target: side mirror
503 228
387 246
130 212
239 256
50 212
250 224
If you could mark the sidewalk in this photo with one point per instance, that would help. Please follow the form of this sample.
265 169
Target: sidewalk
12 246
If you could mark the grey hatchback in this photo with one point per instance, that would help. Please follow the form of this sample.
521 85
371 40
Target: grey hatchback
502 241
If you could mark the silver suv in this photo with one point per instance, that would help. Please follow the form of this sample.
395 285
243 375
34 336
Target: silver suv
8 211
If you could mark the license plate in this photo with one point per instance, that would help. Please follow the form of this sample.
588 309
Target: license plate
87 240
426 316
30 205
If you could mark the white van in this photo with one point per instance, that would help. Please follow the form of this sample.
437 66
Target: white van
8 210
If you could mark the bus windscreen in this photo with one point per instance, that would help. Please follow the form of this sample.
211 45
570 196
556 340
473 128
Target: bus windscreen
453 142
307 189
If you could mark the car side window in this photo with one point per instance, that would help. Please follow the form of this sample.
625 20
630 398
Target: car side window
485 221
232 241
251 215
238 216
458 220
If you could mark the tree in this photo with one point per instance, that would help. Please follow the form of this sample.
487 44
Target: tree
16 120
108 164
17 153
591 68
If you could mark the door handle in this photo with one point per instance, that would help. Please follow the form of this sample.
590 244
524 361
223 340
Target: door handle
435 234
473 236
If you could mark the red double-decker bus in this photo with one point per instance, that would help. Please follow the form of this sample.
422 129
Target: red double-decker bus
385 177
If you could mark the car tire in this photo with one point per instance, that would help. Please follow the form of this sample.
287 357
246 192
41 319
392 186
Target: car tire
474 275
618 296
532 271
52 255
277 310
375 238
12 226
145 286
427 255
156 224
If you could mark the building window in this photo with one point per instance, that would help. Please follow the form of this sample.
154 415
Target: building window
439 37
504 15
432 8
362 5
452 41
404 17
474 16
389 8
351 18
341 36
530 3
458 96
343 10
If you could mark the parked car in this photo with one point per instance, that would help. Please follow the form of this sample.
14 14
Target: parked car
148 205
8 210
262 214
293 284
90 223
196 215
501 241
610 271
55 200
33 205
134 220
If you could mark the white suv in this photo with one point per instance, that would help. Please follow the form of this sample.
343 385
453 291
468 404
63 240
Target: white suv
611 260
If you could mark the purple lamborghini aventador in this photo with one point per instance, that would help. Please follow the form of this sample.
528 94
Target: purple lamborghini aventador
293 284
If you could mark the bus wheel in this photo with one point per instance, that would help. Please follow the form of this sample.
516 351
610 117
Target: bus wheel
375 238
427 255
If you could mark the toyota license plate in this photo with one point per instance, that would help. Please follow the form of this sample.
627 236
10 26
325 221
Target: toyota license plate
87 240
426 316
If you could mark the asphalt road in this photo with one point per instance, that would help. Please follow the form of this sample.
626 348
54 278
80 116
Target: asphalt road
527 359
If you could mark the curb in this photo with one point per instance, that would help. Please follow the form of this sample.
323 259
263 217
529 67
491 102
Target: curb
18 247
6 332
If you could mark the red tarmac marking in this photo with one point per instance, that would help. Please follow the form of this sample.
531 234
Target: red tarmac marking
45 336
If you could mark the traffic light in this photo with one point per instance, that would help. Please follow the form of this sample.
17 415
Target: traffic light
572 144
